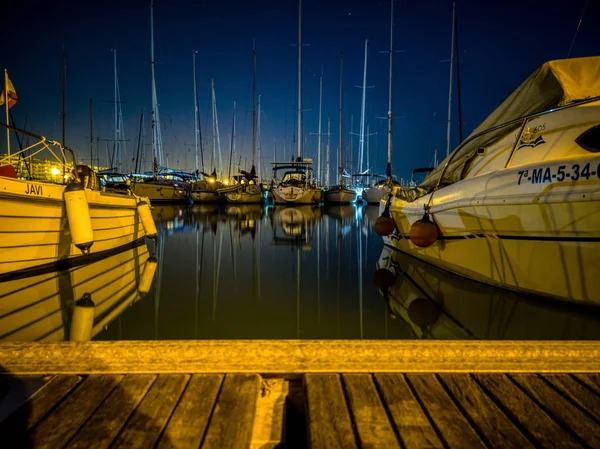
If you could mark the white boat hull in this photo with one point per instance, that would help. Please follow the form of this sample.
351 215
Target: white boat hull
374 195
161 192
38 308
542 239
296 195
34 230
206 196
340 196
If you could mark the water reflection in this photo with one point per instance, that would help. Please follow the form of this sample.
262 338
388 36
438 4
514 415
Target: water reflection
41 307
253 272
439 305
250 271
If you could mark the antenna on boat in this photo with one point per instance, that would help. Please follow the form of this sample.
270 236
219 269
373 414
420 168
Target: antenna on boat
577 29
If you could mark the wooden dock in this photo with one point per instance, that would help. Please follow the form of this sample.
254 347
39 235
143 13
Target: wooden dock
318 394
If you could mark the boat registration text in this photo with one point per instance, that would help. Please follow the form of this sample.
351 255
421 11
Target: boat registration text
561 173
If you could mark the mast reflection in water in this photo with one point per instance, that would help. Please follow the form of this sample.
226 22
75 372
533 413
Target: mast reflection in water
248 271
254 272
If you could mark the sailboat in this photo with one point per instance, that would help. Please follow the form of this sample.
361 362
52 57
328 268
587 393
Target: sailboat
202 191
248 189
297 185
160 187
382 189
54 212
340 194
517 204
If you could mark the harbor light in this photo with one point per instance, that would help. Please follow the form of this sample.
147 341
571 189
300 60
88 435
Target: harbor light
226 182
54 171
211 180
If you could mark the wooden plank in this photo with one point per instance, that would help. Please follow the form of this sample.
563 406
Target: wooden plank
413 426
496 427
370 418
521 407
584 427
106 422
300 356
592 381
233 417
59 427
575 391
148 421
190 418
449 420
328 419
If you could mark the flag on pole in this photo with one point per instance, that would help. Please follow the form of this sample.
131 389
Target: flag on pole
9 93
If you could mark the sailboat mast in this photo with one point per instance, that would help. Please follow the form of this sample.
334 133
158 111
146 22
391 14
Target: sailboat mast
388 170
450 83
300 78
319 176
460 127
258 147
327 166
214 129
232 145
137 156
91 139
196 130
341 118
253 169
64 111
362 113
156 135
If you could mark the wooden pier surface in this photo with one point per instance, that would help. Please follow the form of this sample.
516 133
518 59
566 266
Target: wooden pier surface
88 399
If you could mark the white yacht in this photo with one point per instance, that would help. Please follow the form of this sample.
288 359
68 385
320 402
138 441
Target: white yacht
517 204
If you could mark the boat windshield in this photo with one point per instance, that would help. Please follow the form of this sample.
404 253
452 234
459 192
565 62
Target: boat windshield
294 178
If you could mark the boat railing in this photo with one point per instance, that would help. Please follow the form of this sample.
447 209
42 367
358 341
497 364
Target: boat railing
522 121
56 149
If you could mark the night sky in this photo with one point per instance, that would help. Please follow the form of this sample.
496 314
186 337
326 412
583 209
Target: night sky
501 43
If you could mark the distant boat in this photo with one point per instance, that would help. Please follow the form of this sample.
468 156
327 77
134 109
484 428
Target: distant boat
381 189
61 217
297 186
247 189
517 204
159 187
340 193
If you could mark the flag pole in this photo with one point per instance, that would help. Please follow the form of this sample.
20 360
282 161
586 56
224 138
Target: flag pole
6 105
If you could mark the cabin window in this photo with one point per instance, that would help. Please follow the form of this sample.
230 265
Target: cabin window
590 139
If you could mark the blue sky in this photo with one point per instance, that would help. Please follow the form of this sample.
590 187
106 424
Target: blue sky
501 43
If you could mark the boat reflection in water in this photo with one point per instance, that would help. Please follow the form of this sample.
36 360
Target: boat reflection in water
439 305
55 306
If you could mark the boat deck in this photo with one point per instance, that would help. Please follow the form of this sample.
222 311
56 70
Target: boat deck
383 394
